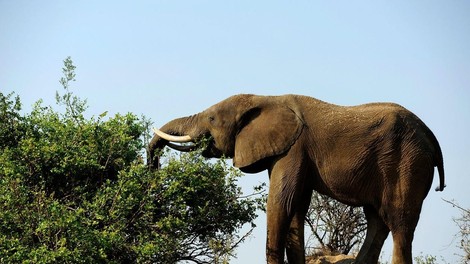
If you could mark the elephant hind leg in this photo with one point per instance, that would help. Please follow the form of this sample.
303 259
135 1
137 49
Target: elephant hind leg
377 232
403 228
405 204
402 246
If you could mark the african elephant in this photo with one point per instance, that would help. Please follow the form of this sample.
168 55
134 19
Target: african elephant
379 156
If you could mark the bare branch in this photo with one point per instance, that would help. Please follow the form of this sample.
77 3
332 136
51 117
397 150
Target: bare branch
456 205
335 226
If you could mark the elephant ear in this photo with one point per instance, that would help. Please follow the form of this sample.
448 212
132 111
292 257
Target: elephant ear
265 132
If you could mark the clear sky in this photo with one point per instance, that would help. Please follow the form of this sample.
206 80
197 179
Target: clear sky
166 59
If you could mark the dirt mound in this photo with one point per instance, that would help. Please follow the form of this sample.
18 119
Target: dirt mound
338 259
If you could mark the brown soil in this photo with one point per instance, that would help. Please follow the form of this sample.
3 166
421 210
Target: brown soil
339 259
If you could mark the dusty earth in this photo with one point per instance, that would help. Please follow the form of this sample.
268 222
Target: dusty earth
339 259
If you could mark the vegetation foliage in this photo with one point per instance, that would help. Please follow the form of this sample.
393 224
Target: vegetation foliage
76 190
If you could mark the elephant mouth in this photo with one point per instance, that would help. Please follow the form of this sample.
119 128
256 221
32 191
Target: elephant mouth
209 148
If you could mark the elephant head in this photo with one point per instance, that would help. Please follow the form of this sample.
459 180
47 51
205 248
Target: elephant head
250 129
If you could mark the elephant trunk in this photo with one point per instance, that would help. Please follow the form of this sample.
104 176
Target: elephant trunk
178 127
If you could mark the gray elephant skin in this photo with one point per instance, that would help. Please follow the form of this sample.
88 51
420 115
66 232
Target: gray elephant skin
379 156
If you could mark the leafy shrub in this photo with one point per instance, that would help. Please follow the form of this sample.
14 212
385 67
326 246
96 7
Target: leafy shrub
76 190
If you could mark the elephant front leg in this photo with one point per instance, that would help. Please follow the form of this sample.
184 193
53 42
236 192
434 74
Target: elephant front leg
295 247
277 229
286 211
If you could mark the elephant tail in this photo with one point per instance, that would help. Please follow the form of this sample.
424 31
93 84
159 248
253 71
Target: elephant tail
439 163
440 169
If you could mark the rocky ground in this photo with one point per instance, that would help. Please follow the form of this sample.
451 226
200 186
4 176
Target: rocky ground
339 259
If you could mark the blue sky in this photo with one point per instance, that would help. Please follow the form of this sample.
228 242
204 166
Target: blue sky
166 59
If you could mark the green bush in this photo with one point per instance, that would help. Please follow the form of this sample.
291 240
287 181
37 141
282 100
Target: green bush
76 190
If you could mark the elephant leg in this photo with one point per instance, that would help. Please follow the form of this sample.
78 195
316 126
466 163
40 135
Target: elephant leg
278 219
402 246
404 207
403 228
377 232
287 185
295 239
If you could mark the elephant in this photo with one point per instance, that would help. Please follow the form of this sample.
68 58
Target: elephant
379 156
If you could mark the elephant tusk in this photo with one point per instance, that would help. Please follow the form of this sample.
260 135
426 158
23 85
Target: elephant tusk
182 148
168 137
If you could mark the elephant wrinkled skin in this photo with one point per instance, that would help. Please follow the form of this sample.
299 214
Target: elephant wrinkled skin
379 156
